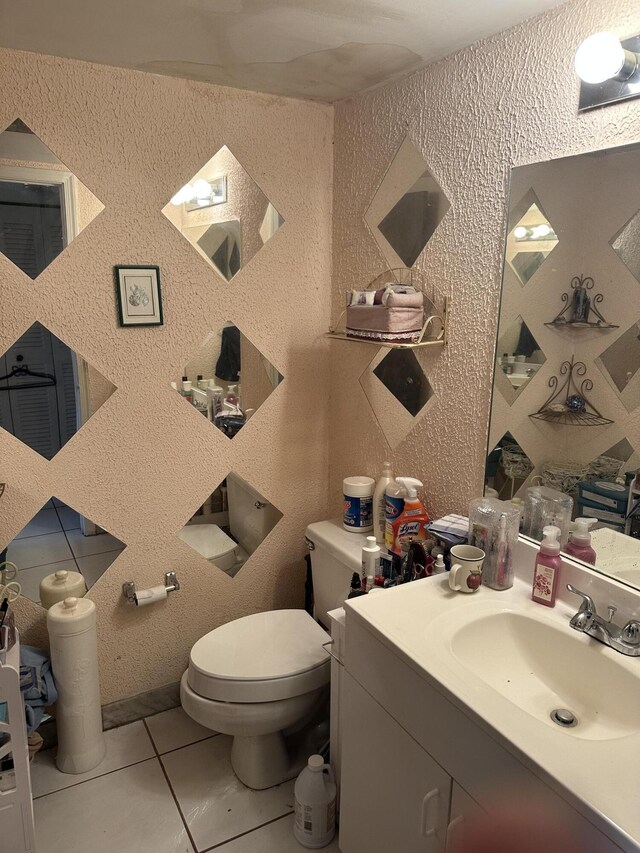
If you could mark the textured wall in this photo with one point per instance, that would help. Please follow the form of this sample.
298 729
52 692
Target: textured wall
145 462
500 103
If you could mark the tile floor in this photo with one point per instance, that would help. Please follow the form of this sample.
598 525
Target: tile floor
52 540
165 786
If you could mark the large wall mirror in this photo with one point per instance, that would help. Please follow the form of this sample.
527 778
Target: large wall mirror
566 393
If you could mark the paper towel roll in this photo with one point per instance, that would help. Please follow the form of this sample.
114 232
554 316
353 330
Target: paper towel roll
150 596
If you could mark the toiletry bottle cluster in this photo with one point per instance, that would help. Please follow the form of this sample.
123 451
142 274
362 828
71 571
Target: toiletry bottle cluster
398 549
220 407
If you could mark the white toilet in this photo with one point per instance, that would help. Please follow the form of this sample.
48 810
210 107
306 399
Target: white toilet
251 518
263 677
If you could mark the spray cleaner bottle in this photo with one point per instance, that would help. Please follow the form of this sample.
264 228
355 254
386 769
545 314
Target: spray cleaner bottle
410 523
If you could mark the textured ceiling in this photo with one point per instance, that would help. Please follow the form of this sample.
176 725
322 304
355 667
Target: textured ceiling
317 49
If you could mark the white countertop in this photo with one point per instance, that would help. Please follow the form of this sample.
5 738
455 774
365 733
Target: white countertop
599 777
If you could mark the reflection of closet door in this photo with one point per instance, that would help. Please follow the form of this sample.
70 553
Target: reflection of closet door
33 412
31 232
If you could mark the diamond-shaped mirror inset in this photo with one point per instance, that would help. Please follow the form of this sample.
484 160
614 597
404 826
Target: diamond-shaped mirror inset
231 525
224 214
508 468
620 363
227 379
407 207
626 244
47 391
398 391
519 359
60 553
530 240
43 206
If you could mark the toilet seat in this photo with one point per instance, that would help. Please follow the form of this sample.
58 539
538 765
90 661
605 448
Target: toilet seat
264 657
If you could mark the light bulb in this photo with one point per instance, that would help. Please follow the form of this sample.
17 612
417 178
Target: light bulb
541 230
186 193
520 232
599 58
202 188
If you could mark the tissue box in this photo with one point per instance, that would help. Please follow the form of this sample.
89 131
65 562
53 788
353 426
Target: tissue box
392 315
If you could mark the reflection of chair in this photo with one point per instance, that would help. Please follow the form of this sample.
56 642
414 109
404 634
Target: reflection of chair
516 466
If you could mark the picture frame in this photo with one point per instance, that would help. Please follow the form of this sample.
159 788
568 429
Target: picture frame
138 294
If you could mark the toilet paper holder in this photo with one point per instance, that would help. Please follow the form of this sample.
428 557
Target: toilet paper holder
145 596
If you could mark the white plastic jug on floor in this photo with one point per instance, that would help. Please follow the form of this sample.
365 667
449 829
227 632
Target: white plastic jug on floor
315 804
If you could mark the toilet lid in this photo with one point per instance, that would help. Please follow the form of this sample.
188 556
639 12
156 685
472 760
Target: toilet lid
207 539
260 658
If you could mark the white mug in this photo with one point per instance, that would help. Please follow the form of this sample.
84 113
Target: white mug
466 568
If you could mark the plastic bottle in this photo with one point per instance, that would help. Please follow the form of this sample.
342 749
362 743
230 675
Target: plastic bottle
439 567
202 383
410 524
379 503
370 559
579 544
546 573
232 396
395 494
186 391
315 804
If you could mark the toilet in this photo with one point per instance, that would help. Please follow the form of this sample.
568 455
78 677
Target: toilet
262 678
251 518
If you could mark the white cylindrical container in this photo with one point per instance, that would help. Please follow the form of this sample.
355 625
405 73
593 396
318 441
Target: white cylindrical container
60 585
358 504
370 558
315 804
74 660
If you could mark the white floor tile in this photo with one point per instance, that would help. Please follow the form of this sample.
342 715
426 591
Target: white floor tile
173 729
95 565
276 837
39 550
125 745
69 518
30 578
84 546
129 811
45 521
215 804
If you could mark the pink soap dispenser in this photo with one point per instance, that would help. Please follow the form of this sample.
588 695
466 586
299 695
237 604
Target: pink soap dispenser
579 544
546 573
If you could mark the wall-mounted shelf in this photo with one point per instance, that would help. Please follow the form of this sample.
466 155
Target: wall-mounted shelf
434 329
580 302
555 409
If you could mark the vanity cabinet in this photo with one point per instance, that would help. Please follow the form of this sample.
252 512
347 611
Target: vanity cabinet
394 795
415 764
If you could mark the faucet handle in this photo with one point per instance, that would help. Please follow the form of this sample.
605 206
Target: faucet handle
587 601
631 633
611 612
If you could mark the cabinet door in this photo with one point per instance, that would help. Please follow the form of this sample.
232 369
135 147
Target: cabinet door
463 808
394 795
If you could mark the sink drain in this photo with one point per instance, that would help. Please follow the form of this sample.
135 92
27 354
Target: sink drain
563 717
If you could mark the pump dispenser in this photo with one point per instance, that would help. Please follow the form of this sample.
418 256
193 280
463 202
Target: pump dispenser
410 524
546 573
579 544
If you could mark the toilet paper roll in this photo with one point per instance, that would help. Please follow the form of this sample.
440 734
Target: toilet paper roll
150 596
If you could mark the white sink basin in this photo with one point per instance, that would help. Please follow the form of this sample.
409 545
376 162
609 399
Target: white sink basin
541 667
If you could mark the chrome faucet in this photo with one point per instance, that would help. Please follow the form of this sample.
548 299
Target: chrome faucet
625 640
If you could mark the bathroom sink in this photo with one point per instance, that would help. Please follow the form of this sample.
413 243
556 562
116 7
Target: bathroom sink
541 667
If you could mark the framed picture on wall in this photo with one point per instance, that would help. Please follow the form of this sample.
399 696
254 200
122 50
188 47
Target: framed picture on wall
139 296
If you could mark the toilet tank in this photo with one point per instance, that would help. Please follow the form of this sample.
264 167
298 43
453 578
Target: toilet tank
336 554
251 518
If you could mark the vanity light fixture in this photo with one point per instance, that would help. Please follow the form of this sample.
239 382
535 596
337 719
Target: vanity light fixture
202 193
609 70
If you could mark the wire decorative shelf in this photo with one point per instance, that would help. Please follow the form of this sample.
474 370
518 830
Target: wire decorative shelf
581 306
434 328
568 403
